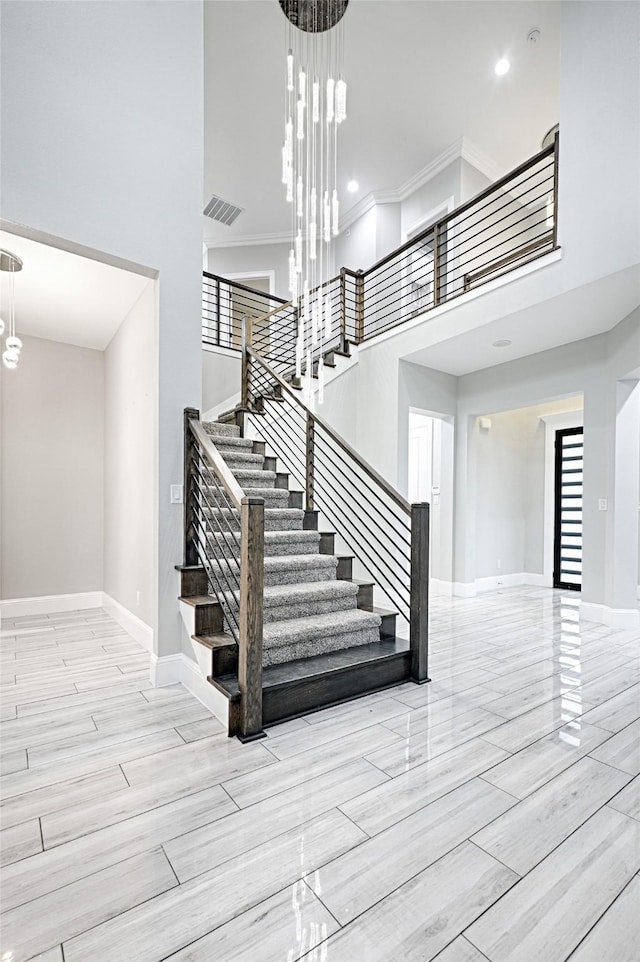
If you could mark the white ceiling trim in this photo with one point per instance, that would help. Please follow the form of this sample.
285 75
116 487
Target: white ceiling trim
461 149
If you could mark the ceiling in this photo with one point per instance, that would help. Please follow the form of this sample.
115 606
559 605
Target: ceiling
420 76
62 296
571 316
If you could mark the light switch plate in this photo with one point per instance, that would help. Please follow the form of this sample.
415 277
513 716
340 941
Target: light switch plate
176 494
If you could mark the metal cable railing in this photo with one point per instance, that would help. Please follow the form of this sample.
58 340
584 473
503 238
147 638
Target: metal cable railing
384 532
225 303
224 534
510 223
507 225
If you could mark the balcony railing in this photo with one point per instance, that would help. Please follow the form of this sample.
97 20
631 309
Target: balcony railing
510 223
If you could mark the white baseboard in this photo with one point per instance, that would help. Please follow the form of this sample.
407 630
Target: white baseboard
515 580
197 684
464 589
178 669
611 617
439 587
50 604
134 626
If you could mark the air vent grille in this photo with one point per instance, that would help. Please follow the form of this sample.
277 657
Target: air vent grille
222 211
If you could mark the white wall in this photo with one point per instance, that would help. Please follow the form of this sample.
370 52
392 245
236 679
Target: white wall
355 248
221 371
129 460
599 138
102 122
52 471
256 260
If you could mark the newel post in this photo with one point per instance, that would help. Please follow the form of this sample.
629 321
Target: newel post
360 306
310 461
251 611
419 618
190 551
556 176
343 309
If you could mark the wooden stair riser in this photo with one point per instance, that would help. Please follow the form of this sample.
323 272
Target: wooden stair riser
193 581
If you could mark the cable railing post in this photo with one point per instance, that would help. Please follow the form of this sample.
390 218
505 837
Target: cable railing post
360 306
436 264
251 612
246 343
343 309
218 310
556 171
188 495
419 619
309 461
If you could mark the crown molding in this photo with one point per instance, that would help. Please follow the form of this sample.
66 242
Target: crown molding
481 161
460 149
249 240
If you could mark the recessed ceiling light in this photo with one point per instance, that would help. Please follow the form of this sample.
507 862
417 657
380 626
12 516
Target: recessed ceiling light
353 186
503 342
502 67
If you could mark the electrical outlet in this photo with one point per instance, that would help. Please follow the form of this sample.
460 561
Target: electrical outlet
602 504
498 564
138 598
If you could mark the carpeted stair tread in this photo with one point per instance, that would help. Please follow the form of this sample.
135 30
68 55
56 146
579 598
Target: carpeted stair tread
255 479
291 569
277 543
276 595
243 459
285 602
215 428
318 634
280 633
275 519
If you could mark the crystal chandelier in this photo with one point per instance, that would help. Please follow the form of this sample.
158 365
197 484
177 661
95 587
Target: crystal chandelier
315 106
13 345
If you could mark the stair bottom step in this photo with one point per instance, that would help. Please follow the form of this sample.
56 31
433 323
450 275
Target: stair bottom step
309 684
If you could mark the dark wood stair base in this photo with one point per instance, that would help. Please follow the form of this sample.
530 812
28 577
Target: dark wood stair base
310 684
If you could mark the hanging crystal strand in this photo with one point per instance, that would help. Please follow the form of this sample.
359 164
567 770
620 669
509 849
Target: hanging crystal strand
320 380
299 352
326 218
290 70
292 269
315 321
313 228
328 326
335 207
299 252
306 300
330 99
315 101
341 101
299 197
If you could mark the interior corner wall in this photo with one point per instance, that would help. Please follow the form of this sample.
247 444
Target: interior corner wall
111 159
52 448
129 460
430 197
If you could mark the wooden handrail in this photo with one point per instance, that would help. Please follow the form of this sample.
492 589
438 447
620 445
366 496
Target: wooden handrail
476 199
217 462
243 287
340 441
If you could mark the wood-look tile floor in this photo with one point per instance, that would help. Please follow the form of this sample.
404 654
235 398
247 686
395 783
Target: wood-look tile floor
493 814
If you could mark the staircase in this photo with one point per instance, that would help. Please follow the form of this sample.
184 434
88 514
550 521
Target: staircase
322 639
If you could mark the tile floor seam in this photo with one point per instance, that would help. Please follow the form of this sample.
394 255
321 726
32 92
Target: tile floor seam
600 917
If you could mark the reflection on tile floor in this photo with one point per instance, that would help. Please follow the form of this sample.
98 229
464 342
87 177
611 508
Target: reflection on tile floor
492 814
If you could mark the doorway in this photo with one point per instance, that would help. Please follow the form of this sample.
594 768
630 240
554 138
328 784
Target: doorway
567 554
